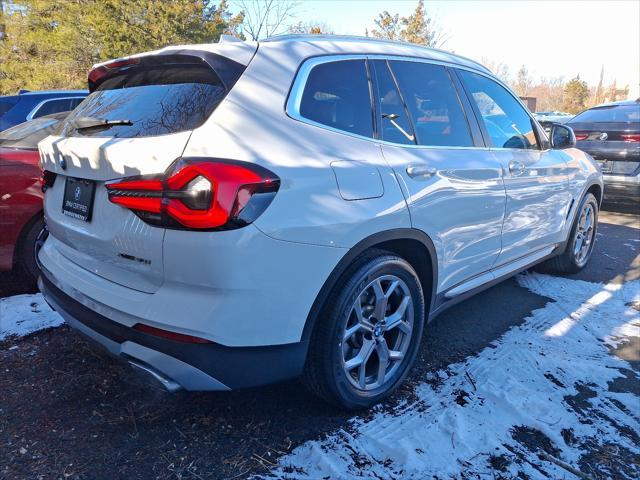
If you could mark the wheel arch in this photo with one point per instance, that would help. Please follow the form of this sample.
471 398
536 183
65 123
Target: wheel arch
596 190
411 244
18 247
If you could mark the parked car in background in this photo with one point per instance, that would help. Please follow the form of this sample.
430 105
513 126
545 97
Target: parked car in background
21 221
610 133
316 239
15 109
557 117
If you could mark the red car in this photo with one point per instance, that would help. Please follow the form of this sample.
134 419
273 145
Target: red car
22 228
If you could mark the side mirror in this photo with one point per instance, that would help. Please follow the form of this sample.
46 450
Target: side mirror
561 136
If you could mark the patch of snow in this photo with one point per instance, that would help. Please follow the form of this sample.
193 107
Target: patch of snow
21 315
533 379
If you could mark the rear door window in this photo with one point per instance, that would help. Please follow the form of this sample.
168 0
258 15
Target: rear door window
433 103
157 99
394 125
337 95
505 119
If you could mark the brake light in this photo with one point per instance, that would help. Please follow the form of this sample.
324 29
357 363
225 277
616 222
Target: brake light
631 137
581 135
97 74
47 179
198 193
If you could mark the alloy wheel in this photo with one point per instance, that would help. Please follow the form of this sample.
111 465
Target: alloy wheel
585 233
377 334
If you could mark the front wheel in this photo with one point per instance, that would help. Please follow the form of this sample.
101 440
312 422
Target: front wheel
369 332
581 240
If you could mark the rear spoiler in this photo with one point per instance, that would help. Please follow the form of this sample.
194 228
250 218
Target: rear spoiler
226 69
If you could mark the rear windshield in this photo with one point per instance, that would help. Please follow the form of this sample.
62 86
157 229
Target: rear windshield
28 134
614 113
157 100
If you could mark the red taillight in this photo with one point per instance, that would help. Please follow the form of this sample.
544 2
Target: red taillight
581 135
47 179
199 193
631 137
176 337
97 73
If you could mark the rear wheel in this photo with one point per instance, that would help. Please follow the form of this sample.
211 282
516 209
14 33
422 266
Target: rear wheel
368 335
581 240
32 241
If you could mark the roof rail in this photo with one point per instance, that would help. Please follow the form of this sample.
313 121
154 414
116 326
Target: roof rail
309 36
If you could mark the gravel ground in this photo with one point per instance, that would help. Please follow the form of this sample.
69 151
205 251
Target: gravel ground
69 411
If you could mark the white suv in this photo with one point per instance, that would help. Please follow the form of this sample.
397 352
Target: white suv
236 214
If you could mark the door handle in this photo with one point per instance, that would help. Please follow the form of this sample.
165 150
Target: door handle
420 172
516 168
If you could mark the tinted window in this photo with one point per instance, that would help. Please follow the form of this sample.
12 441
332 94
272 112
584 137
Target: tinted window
433 103
619 113
28 134
393 123
5 106
506 121
337 95
157 99
55 106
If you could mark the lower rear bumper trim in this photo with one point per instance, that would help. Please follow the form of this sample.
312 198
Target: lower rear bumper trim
192 366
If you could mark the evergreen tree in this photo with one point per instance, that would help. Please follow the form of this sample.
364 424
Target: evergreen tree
54 44
575 95
417 28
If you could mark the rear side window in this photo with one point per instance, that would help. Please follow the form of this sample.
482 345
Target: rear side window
337 95
157 99
433 103
618 113
507 122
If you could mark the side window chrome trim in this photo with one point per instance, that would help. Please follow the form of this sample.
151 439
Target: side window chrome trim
294 99
35 110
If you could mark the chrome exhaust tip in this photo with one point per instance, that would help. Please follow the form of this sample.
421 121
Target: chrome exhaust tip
166 382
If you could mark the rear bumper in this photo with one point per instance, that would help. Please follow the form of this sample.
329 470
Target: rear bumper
175 364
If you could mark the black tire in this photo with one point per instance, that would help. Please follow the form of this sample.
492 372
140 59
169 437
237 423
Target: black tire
30 244
568 262
324 373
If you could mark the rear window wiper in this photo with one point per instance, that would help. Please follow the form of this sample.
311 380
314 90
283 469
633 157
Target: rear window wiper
85 123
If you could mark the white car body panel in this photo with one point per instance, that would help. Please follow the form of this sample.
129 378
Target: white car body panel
538 200
256 286
460 206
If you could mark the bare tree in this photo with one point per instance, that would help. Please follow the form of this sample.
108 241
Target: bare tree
523 82
315 28
500 70
266 18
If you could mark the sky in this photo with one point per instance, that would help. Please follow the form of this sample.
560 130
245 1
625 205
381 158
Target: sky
552 38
